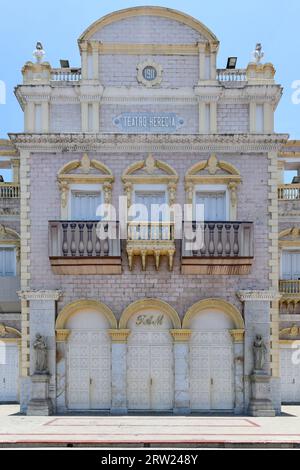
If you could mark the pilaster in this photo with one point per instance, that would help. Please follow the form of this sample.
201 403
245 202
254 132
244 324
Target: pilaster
181 368
119 371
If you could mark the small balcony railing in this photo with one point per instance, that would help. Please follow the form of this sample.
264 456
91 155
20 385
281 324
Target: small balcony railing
290 287
224 248
289 192
65 75
85 247
232 75
151 231
9 191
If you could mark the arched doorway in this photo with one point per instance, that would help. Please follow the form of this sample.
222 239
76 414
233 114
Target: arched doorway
150 358
87 355
212 367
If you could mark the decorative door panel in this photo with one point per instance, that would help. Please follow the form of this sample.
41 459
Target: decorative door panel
150 374
290 377
211 371
89 370
9 373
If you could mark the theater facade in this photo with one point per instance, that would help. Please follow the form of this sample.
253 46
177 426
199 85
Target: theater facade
117 313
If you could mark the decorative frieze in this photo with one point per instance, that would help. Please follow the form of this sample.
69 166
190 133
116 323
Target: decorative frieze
181 336
258 296
40 295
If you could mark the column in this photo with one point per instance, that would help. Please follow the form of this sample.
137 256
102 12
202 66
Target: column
213 62
61 369
29 117
257 313
181 371
202 117
252 118
119 370
201 49
238 353
84 117
213 118
42 310
15 163
95 53
96 117
84 61
45 116
268 118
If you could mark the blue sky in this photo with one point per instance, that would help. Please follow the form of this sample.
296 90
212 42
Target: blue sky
238 26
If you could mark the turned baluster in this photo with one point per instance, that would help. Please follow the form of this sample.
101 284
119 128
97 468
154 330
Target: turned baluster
65 247
236 246
227 244
203 249
194 228
98 244
220 243
211 245
81 243
89 247
106 241
73 242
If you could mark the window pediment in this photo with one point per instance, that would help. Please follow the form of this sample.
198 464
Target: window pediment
290 237
8 236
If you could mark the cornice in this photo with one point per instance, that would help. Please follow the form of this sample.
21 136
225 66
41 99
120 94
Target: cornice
40 295
112 143
258 296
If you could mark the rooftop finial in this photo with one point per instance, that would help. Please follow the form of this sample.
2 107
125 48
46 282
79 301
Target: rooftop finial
258 54
39 53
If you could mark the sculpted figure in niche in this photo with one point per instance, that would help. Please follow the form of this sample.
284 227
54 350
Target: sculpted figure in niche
260 352
41 354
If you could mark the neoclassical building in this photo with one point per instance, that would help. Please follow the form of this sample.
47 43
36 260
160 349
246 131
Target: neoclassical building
131 317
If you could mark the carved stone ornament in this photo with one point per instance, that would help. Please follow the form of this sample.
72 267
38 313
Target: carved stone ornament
2 230
3 331
86 164
41 355
293 332
212 164
259 352
150 164
149 73
64 188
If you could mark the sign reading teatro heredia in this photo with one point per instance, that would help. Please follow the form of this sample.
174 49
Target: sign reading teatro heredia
155 123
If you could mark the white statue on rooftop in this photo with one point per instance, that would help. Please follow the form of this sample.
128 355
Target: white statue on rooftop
39 53
258 54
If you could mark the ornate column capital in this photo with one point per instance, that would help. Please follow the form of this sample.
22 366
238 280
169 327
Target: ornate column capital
40 295
119 336
258 295
237 335
62 335
181 336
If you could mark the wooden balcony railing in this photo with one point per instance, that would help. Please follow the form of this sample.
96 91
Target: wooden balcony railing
9 191
225 248
291 287
289 192
66 75
85 247
234 75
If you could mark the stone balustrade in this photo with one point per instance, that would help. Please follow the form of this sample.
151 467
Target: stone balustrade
232 75
151 231
65 75
84 239
289 192
9 191
291 287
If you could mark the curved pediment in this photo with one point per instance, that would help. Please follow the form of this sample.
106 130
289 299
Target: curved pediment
201 32
290 237
149 169
8 235
84 167
213 168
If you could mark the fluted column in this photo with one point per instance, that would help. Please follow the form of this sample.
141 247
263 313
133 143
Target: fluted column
119 370
181 370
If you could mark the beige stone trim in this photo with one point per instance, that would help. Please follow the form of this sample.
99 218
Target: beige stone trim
40 295
62 335
238 335
181 336
152 11
258 295
215 304
119 336
146 304
82 304
8 330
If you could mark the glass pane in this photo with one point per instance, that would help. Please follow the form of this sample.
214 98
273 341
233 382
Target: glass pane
85 205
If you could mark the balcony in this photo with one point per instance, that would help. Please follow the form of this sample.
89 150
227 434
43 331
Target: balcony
85 248
232 75
151 239
9 191
289 192
290 300
65 75
227 249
